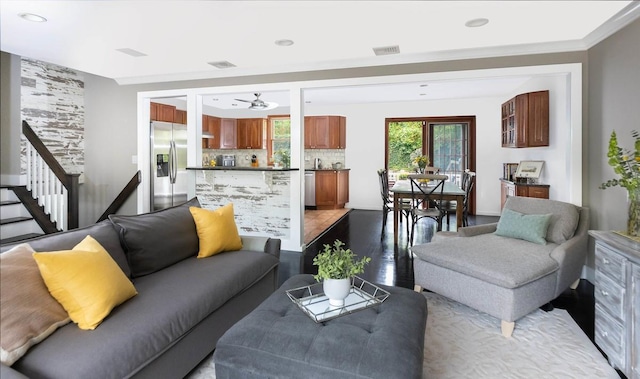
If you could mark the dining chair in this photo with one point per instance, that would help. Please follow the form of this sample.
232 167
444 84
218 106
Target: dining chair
451 207
426 199
387 200
429 170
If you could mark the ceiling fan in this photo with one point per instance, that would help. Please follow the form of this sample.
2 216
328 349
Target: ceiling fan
259 105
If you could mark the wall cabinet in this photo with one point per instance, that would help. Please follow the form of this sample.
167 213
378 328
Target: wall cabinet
228 133
210 132
166 113
251 132
180 117
617 300
325 132
525 120
509 188
332 189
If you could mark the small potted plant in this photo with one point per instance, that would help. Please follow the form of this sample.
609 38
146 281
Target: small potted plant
336 267
282 158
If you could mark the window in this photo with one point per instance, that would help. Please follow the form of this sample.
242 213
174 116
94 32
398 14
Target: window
278 135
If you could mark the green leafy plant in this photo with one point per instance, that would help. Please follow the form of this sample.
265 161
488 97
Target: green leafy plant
335 262
625 163
282 156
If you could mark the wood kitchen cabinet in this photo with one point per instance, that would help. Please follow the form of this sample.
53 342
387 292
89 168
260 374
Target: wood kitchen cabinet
228 133
210 132
617 300
525 120
509 188
325 132
332 189
180 117
162 112
250 132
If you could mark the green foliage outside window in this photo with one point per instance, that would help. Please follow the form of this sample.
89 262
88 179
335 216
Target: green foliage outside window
404 139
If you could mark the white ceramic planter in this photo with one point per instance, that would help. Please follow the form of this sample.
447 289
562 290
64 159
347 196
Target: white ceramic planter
336 290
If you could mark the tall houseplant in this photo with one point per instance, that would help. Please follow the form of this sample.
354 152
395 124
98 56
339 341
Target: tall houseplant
336 268
626 163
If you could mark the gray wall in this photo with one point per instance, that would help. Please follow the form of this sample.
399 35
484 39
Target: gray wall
10 122
614 104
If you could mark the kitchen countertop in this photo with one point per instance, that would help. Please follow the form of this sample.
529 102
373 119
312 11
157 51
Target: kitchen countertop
236 168
327 169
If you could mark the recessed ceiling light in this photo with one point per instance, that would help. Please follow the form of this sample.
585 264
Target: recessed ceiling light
32 17
476 22
284 42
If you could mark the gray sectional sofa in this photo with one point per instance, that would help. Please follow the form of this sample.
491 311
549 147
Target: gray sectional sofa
183 305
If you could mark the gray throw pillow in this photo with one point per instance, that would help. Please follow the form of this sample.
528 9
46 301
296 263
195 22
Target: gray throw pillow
158 239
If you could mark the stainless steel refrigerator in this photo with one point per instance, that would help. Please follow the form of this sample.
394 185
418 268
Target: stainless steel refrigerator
168 164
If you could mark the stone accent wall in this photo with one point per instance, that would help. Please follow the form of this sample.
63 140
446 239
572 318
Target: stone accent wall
260 199
52 102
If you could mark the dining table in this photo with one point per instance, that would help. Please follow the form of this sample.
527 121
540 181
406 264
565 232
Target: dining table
402 190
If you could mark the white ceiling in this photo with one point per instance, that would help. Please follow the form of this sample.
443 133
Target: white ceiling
179 38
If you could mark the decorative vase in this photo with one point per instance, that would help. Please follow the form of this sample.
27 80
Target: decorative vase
633 222
336 290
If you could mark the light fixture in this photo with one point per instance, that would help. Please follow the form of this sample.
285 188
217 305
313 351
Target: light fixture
32 17
476 22
258 104
284 42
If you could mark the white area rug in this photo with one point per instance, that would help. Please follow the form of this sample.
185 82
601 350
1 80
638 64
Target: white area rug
461 342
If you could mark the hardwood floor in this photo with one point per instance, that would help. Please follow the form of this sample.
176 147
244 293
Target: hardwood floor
362 232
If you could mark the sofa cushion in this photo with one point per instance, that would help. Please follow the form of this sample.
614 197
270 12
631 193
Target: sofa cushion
86 281
217 230
532 228
28 313
503 261
103 232
158 239
564 216
169 304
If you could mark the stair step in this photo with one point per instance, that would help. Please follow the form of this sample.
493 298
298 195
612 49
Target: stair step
9 202
13 220
19 238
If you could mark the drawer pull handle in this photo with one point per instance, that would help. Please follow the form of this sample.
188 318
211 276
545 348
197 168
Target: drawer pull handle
605 261
604 293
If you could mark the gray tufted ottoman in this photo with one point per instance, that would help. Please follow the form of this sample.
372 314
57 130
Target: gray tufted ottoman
277 340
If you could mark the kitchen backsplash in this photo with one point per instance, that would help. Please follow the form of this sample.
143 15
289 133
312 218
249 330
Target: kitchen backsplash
327 157
243 156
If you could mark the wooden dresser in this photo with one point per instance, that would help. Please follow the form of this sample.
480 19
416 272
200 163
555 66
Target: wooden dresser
617 297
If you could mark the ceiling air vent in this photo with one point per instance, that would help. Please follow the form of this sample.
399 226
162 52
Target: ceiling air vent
222 64
387 50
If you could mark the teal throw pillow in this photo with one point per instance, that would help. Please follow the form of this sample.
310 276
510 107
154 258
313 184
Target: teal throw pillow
532 228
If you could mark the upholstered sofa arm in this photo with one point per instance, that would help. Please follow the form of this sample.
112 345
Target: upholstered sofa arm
571 255
266 244
7 372
476 230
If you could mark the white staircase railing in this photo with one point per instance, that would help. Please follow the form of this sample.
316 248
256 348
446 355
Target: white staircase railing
46 188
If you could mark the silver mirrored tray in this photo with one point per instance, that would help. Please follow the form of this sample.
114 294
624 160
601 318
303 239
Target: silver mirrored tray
312 300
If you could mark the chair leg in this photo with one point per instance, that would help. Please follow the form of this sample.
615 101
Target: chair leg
507 328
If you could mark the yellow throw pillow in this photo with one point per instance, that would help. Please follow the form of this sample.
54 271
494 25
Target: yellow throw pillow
217 230
86 281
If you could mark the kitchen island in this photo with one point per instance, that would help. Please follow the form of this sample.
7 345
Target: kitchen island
260 196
